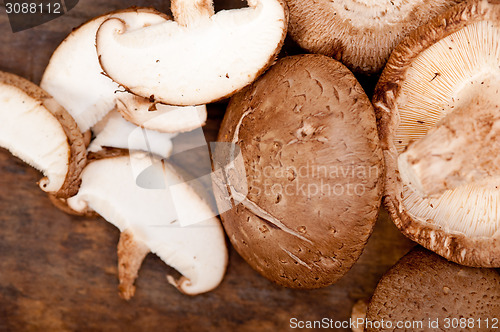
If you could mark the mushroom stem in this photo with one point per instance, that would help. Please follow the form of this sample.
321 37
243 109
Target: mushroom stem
131 253
462 149
191 12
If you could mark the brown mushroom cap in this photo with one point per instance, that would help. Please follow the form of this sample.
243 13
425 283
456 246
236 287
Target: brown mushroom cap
360 34
313 165
428 75
423 286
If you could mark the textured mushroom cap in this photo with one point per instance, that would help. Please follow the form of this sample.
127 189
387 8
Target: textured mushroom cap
74 76
313 166
360 34
194 62
423 286
428 75
35 128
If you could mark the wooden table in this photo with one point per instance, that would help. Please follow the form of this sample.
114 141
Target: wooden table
59 272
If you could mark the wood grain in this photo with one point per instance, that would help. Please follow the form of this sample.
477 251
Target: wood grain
59 272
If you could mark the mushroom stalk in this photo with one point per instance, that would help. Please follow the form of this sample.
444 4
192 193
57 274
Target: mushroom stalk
189 13
131 253
461 150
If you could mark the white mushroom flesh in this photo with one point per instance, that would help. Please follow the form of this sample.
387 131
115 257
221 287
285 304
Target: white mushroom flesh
438 81
194 64
160 117
74 76
116 132
30 132
154 216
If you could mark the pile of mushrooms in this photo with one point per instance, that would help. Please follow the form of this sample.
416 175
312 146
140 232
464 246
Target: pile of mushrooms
126 127
101 130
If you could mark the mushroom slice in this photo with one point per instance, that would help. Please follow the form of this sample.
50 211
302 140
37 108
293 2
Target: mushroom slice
160 117
113 131
423 291
74 76
437 99
34 128
197 59
360 34
152 218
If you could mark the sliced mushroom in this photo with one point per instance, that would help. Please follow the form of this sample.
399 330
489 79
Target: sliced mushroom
113 131
74 76
36 129
423 290
446 76
360 34
150 220
310 185
160 117
197 59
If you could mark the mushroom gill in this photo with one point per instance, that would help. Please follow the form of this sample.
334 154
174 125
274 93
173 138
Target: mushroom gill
441 74
446 77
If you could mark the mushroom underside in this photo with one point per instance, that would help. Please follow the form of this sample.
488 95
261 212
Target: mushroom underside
448 109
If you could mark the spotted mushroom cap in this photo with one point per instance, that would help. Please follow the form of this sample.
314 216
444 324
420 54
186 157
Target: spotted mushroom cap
423 286
310 182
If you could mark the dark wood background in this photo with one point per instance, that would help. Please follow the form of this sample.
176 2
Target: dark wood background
59 273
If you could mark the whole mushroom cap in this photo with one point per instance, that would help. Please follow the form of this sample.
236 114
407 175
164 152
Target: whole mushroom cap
360 34
309 180
423 286
437 70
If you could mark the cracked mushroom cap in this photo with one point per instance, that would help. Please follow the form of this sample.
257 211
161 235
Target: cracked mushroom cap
309 184
360 34
200 57
438 106
74 76
36 129
150 212
423 286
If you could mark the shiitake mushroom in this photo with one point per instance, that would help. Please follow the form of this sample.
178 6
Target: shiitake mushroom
305 178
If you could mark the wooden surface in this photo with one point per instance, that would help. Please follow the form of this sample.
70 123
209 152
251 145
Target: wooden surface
58 272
